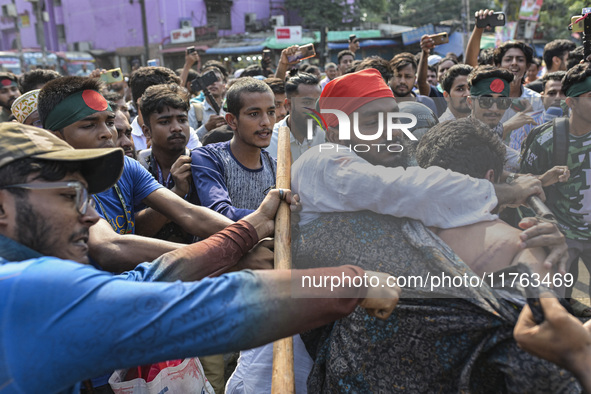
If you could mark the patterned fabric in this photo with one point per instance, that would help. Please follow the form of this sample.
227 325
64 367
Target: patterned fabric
25 105
518 135
225 185
462 343
573 203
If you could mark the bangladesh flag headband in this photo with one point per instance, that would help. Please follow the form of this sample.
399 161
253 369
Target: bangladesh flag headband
579 88
74 108
489 86
7 82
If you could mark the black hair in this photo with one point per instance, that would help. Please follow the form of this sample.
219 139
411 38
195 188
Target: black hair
343 53
556 48
464 145
498 53
144 77
452 73
555 76
486 57
36 79
234 99
574 57
577 74
157 97
380 64
217 64
402 60
56 91
252 71
311 69
112 97
276 84
293 83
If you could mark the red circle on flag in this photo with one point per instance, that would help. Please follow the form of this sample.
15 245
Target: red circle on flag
6 82
497 86
94 100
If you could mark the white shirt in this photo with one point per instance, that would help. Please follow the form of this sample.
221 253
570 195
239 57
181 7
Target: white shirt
331 181
254 371
447 115
297 148
207 112
140 142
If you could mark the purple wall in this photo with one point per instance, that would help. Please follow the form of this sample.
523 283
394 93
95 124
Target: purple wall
112 24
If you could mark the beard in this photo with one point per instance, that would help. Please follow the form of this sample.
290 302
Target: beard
7 105
391 159
31 231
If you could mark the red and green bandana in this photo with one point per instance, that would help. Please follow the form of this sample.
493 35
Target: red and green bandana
7 82
579 88
74 108
490 86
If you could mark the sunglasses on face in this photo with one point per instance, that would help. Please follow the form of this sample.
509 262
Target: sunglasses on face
487 102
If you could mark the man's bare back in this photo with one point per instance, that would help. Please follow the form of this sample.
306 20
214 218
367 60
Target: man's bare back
491 246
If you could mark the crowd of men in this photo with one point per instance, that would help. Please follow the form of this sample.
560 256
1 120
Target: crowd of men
134 219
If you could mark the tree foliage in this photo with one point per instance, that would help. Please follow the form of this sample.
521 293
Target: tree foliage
346 14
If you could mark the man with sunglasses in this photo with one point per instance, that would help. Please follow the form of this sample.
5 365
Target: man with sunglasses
489 100
67 321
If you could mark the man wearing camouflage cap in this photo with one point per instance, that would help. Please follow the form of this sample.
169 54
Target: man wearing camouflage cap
67 321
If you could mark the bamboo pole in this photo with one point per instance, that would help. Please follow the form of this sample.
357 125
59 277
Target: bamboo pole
283 381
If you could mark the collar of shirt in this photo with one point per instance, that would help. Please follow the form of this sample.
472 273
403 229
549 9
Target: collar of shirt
136 129
14 251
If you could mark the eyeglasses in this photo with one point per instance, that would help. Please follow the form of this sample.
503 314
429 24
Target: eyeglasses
487 102
82 199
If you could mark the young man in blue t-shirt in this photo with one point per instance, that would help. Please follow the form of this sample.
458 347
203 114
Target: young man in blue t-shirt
74 110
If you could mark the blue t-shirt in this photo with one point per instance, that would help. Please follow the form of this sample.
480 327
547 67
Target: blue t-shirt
135 184
63 322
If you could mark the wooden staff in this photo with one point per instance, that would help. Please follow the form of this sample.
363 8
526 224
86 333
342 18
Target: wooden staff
283 376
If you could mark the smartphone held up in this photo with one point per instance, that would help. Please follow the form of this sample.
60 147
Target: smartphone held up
303 52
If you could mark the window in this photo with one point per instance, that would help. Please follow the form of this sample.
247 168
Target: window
219 14
61 34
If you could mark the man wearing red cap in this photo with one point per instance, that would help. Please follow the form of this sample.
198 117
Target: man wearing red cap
8 93
349 197
359 166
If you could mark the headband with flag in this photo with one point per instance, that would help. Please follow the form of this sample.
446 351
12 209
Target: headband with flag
489 86
7 82
579 88
74 108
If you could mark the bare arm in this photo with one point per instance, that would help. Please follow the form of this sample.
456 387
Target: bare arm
222 251
148 221
284 63
194 219
473 47
533 258
560 338
117 253
190 60
426 46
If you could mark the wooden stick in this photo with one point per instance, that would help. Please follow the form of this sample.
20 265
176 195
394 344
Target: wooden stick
283 375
